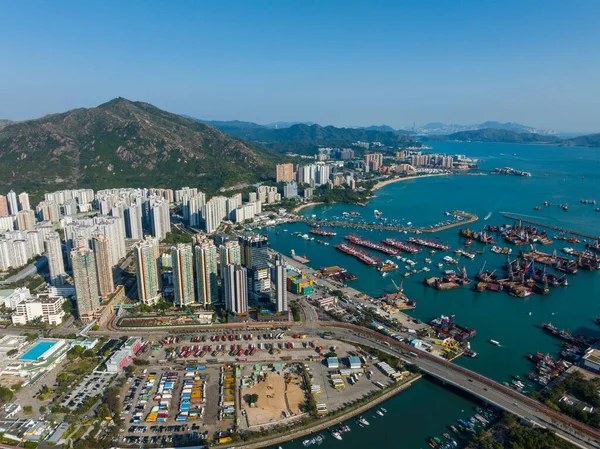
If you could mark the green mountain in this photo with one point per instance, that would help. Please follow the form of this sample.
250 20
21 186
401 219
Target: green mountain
319 135
592 140
129 144
497 135
4 123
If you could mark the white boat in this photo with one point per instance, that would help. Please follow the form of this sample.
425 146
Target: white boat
363 421
383 410
335 434
379 412
494 342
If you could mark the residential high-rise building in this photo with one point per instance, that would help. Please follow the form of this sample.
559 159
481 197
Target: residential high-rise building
230 254
279 277
192 208
213 213
56 263
148 287
373 161
4 206
24 201
12 203
322 174
232 204
235 289
285 172
86 282
290 190
205 254
48 211
307 174
160 220
25 220
133 221
101 245
255 257
183 274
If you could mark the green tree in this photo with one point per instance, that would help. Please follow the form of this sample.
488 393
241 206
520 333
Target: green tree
28 410
6 395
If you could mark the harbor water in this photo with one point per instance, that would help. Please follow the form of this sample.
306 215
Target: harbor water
559 175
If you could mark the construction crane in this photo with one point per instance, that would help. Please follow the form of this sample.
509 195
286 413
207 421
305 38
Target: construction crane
399 289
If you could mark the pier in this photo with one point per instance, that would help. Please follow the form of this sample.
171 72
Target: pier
468 218
555 228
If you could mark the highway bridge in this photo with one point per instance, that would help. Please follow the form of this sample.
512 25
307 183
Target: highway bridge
467 218
485 389
479 386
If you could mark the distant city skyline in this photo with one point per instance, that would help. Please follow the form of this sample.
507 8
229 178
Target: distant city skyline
335 63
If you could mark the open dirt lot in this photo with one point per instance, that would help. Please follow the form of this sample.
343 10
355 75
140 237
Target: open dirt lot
274 398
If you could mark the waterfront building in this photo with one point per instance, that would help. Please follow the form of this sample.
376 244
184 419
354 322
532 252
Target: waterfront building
148 286
284 172
245 212
255 257
235 289
56 263
86 282
290 190
182 261
101 245
205 254
279 277
308 193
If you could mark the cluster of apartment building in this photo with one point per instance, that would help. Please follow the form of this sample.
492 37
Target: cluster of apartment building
313 175
227 270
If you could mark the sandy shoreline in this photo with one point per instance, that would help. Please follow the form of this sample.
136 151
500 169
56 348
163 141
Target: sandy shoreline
381 184
299 208
377 186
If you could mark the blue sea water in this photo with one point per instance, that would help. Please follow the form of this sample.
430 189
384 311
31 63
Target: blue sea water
559 175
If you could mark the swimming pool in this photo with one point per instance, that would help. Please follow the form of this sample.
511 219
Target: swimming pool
38 350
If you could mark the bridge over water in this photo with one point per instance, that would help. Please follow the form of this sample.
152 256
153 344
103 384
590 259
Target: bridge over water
485 389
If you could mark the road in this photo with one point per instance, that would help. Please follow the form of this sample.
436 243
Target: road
483 388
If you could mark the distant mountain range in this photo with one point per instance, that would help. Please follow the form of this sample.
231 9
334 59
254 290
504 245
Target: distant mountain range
441 128
505 136
126 144
303 137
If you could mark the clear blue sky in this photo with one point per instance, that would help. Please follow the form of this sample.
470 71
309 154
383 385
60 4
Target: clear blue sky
344 63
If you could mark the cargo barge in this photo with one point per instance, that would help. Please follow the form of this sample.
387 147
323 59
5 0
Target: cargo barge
574 339
402 246
447 326
428 243
361 255
559 263
390 251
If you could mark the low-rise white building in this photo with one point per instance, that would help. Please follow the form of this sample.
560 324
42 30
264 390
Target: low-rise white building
44 306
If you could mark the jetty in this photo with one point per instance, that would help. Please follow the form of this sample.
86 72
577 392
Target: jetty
465 218
547 226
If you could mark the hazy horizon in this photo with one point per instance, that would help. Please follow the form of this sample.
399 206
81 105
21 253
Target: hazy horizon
335 63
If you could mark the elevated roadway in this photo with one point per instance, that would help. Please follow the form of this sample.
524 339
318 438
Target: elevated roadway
485 389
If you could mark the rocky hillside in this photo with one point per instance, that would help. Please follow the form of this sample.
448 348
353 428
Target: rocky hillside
4 123
125 143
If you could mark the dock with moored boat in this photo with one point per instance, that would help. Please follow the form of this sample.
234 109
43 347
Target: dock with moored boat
555 228
462 219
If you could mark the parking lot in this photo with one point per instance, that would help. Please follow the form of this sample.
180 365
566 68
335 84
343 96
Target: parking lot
92 385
